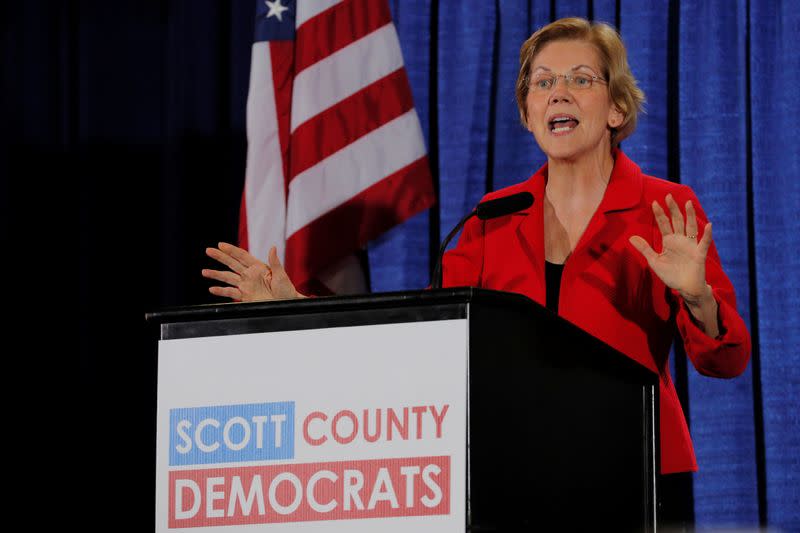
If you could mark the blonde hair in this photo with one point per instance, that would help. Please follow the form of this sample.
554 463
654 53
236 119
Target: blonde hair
622 88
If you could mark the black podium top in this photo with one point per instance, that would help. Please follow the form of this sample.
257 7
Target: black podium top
332 311
434 297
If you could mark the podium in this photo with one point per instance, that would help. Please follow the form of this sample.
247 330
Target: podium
456 409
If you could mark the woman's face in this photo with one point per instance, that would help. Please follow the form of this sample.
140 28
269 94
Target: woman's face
583 116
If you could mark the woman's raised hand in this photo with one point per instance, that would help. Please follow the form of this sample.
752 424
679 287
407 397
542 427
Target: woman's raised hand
681 265
249 279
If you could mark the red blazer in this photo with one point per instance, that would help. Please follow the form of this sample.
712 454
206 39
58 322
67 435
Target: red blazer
607 287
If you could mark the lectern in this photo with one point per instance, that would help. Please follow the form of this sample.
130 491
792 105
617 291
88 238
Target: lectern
440 410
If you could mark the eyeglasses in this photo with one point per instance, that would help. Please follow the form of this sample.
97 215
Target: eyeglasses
542 83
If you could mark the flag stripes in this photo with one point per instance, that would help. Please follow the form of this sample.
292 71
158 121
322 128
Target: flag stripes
263 213
342 124
343 157
308 10
372 211
337 179
341 25
345 72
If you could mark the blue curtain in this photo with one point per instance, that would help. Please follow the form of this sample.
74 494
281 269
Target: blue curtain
721 81
773 198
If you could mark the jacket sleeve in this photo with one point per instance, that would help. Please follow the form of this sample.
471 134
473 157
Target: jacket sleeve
725 356
463 265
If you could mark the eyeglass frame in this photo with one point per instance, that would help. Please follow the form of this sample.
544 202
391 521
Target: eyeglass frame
568 79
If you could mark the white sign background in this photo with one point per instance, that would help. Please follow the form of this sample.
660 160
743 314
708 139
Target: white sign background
355 368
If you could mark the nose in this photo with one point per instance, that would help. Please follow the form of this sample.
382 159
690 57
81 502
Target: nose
560 93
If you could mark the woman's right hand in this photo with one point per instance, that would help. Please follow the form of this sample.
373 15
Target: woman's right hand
249 279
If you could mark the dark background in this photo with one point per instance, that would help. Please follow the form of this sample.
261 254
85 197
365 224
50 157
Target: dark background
122 158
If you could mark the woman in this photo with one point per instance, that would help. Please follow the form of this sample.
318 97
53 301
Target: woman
586 247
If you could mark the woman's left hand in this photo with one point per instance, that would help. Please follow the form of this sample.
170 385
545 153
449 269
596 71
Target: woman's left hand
681 265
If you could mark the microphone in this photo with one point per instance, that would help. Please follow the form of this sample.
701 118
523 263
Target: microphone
504 205
489 209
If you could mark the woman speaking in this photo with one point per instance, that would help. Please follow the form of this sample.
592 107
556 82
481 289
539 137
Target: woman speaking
625 256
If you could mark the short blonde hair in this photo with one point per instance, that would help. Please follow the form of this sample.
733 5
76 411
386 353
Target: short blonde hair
622 88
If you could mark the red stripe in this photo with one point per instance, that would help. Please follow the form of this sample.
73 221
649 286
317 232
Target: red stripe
337 27
282 56
348 120
314 287
243 239
351 225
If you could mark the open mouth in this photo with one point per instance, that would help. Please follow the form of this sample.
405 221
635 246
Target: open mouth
563 123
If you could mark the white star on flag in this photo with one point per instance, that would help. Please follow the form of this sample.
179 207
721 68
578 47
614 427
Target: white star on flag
276 9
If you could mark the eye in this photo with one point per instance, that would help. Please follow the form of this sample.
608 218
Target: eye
582 81
543 82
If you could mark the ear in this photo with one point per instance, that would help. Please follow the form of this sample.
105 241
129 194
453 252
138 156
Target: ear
615 117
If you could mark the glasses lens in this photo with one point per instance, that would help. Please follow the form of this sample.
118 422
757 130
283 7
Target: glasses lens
580 81
543 82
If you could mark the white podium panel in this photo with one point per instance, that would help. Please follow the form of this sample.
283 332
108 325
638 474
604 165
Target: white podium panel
339 429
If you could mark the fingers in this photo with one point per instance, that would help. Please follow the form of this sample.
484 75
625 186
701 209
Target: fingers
691 220
675 223
225 259
641 245
274 263
281 285
273 260
226 292
661 219
250 278
240 254
677 217
705 242
224 276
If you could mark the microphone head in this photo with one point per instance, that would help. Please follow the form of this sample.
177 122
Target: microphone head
504 206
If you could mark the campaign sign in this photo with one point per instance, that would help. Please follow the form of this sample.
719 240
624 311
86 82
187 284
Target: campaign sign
340 429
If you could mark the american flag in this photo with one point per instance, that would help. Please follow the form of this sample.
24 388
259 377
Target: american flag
335 149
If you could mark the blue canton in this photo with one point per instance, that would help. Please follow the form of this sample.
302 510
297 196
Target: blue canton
271 28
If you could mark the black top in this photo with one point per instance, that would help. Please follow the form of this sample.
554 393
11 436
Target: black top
552 277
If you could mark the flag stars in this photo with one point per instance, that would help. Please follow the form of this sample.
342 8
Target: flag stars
276 9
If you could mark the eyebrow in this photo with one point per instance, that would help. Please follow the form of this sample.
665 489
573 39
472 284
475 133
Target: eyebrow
576 67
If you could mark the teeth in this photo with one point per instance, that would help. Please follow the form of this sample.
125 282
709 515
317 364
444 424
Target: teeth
559 130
